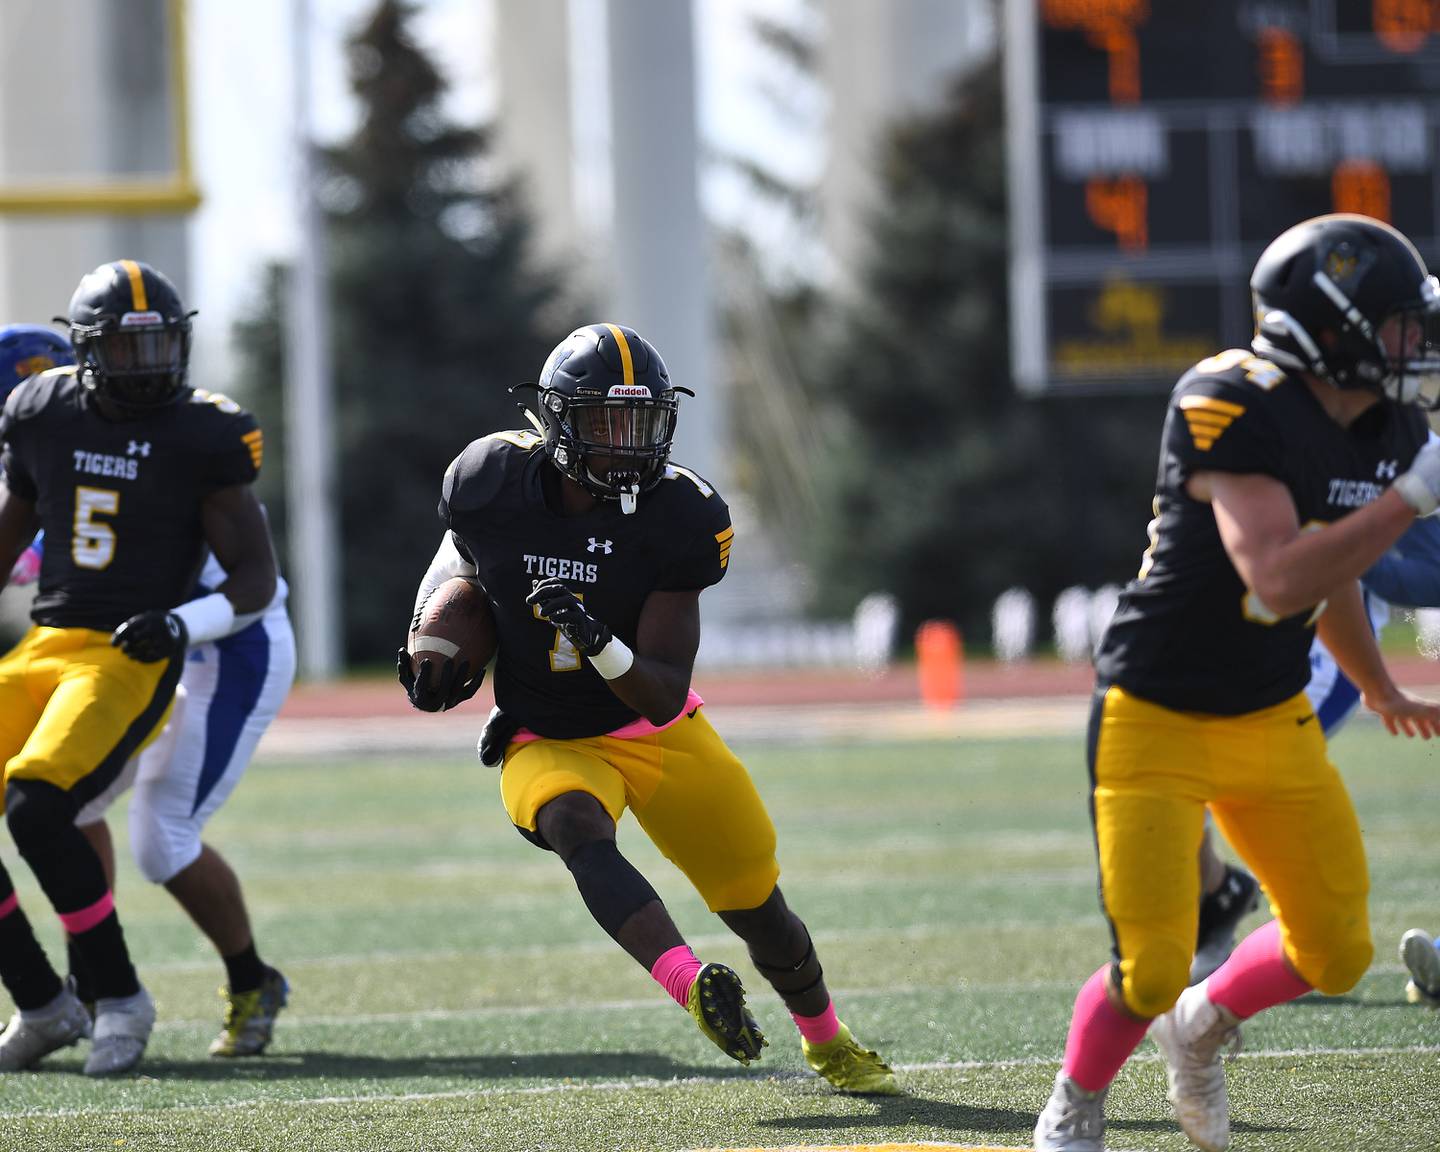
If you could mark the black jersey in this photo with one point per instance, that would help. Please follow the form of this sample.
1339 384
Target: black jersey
119 501
1187 633
678 538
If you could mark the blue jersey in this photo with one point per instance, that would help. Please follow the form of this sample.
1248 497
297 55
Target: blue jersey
1409 575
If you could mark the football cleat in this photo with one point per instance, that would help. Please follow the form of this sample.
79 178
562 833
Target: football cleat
122 1029
1418 953
32 1035
250 1017
717 1002
849 1067
1073 1120
1220 914
1190 1036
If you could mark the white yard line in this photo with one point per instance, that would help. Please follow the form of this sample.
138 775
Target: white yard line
650 1082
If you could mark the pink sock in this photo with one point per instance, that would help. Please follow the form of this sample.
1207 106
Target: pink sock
1101 1039
1256 975
675 971
819 1029
9 905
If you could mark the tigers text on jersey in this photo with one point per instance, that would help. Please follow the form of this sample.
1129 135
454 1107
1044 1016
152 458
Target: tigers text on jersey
119 501
1187 633
678 538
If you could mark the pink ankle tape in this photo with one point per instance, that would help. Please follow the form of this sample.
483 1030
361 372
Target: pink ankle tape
1101 1039
87 918
10 904
675 971
819 1029
1256 976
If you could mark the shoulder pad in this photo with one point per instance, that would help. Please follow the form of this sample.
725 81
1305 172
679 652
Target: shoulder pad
1237 368
33 395
478 475
220 402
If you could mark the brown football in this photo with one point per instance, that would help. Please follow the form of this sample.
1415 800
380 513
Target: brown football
455 623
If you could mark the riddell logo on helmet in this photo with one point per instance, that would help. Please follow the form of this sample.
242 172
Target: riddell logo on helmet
628 390
141 319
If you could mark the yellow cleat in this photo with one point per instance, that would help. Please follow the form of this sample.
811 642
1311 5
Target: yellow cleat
250 1017
849 1067
717 1002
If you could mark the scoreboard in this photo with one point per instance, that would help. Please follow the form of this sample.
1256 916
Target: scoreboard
1156 146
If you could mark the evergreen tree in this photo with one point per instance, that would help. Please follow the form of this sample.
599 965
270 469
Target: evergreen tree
943 485
435 311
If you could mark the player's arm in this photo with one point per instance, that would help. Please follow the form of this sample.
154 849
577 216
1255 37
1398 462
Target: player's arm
654 678
18 525
1345 630
450 560
1289 570
237 533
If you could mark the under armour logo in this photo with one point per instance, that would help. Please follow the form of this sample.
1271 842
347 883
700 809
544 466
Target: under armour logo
606 546
1385 470
138 448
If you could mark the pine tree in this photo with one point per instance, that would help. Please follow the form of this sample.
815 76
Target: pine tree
435 309
944 485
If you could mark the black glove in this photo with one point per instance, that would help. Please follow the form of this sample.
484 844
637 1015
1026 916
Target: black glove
151 636
436 686
500 729
562 608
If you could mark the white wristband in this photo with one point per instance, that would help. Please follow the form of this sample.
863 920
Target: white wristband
1415 492
208 618
613 660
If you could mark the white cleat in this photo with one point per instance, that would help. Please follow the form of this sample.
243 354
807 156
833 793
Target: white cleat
1190 1036
34 1034
1418 953
122 1029
1073 1120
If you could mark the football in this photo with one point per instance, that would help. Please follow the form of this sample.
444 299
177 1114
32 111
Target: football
454 623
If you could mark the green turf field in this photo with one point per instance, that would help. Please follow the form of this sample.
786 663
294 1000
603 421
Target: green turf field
450 991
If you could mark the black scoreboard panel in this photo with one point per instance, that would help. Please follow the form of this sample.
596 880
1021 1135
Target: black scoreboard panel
1170 142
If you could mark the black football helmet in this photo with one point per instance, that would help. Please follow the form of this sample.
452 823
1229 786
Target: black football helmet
1323 289
131 335
608 411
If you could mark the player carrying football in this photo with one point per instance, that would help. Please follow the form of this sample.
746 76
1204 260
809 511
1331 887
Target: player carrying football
1285 473
593 550
131 474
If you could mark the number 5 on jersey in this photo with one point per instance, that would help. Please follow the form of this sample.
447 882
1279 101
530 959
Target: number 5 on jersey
93 545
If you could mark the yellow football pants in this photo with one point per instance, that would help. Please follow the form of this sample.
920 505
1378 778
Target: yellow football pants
688 791
1275 796
73 709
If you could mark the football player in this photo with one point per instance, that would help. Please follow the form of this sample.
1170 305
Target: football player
1286 471
1408 574
593 550
131 474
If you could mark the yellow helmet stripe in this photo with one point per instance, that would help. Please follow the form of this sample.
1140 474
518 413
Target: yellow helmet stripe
137 284
627 365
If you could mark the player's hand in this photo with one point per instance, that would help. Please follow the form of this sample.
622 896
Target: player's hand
436 685
499 730
1405 714
26 570
562 608
1420 487
151 636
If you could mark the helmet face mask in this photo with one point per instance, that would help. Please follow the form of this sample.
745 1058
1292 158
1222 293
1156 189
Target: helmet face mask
131 336
1348 300
608 412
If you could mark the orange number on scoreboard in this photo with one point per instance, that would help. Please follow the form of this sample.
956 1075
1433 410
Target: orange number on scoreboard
1403 25
1282 66
1109 25
1361 186
1119 206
